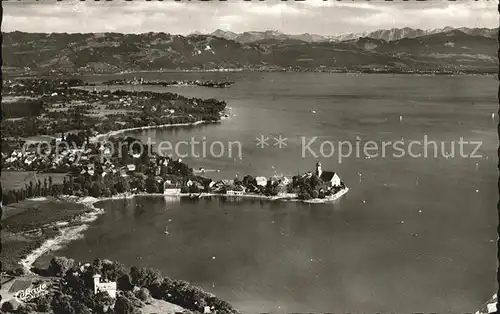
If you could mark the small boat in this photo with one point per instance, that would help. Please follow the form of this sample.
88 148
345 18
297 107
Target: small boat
166 230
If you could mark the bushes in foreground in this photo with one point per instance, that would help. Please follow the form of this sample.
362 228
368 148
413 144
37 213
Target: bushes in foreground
177 292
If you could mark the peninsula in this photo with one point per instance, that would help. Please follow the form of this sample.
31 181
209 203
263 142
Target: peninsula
141 81
34 107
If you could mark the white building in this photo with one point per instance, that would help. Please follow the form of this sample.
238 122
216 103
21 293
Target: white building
109 287
170 189
30 160
131 167
234 192
262 181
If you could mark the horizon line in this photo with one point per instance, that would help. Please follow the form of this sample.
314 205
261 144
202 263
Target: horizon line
197 32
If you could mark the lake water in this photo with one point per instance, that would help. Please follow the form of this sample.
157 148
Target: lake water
412 234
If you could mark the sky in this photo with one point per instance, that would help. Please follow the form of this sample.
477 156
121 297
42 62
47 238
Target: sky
328 17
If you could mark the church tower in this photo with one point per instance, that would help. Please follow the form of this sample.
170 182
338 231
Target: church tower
318 169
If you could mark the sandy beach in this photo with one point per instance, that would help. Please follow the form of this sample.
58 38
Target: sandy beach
224 115
114 133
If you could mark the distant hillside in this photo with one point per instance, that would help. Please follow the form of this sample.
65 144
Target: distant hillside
384 34
113 52
224 34
250 37
406 32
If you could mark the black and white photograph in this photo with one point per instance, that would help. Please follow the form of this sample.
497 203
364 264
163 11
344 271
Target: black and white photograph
249 157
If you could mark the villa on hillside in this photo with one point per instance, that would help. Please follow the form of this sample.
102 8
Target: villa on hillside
109 287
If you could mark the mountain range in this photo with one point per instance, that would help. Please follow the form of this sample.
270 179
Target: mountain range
250 37
449 50
384 34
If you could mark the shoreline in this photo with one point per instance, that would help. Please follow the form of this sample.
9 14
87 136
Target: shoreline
224 115
17 74
70 233
83 221
148 127
67 234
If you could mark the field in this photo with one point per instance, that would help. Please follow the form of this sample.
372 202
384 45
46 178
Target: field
31 214
27 224
12 180
101 111
160 306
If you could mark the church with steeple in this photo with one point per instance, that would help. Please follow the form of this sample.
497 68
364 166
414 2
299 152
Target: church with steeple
329 177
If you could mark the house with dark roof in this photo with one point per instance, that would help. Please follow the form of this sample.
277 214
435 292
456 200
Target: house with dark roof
235 190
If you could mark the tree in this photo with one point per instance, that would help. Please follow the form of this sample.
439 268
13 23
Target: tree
194 189
61 304
132 298
43 303
305 196
81 308
321 194
220 306
30 190
39 188
122 185
314 194
45 187
66 188
157 288
97 266
96 190
50 184
125 306
7 307
113 271
26 308
248 179
72 184
124 283
74 286
196 297
151 185
144 295
144 277
60 265
18 271
124 154
102 301
139 181
314 182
